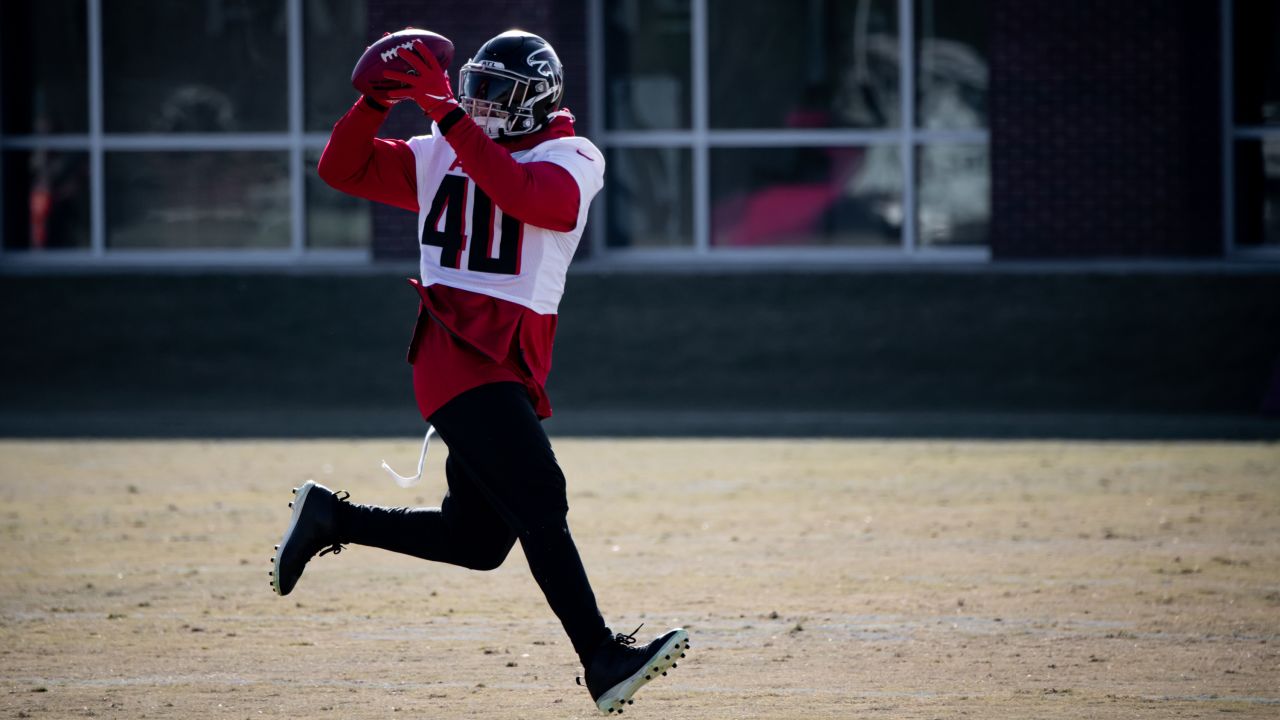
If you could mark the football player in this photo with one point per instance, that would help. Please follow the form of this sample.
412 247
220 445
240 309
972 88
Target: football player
501 187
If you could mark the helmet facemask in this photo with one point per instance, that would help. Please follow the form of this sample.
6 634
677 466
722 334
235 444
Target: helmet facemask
505 103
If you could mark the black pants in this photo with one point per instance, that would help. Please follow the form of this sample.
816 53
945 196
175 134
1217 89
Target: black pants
504 485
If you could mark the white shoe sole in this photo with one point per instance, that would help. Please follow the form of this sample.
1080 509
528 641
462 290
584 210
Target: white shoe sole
300 496
618 696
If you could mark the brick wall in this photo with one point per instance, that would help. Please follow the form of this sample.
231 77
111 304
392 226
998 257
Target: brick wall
468 23
1105 128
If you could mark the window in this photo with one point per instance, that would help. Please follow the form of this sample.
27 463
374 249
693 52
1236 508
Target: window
650 197
44 77
203 200
830 63
808 196
648 85
738 125
334 37
206 67
54 184
1253 127
176 131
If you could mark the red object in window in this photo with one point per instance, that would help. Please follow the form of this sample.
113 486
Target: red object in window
40 203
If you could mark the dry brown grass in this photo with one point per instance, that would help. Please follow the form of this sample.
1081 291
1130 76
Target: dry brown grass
819 579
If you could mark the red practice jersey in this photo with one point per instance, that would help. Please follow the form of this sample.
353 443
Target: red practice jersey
498 225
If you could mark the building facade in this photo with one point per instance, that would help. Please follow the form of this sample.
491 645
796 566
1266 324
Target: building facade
824 131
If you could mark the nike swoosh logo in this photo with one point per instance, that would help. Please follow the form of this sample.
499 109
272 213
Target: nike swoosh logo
584 155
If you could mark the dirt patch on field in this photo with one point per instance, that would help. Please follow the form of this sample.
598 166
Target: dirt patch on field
818 580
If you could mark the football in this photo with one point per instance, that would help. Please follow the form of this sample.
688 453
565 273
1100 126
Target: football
381 56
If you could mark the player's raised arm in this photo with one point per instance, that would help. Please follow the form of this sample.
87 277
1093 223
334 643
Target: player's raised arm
358 163
538 193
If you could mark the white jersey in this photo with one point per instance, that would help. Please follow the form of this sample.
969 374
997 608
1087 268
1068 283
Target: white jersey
468 243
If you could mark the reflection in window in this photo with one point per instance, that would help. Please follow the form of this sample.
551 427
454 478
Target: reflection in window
1257 62
951 64
213 66
806 196
334 38
823 63
647 64
46 200
197 200
954 199
44 67
649 198
1258 193
334 219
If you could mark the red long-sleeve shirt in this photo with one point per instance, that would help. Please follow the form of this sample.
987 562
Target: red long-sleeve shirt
463 339
357 162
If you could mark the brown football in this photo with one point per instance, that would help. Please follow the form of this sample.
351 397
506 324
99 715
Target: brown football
379 57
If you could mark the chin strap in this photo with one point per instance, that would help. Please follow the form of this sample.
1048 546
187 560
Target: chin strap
406 482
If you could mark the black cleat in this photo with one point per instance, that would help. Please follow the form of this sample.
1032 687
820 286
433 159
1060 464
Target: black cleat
312 530
618 670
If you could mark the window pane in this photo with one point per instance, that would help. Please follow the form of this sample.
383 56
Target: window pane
1257 62
44 67
197 200
806 196
823 63
217 66
1258 193
951 58
647 64
649 198
954 200
46 200
334 219
334 39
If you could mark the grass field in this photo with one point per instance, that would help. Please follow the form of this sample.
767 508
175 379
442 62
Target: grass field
819 579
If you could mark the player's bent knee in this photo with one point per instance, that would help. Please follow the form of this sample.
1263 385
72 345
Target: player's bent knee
554 529
490 558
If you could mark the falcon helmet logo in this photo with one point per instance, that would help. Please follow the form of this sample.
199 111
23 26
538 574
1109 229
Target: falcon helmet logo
541 65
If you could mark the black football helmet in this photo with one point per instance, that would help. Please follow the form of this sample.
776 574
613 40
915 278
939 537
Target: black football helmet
513 85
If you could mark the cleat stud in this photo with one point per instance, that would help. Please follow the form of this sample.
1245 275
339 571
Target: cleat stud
294 491
648 677
674 665
664 673
275 547
668 657
631 702
290 504
681 654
